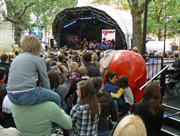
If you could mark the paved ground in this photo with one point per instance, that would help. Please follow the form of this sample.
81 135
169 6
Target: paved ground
173 101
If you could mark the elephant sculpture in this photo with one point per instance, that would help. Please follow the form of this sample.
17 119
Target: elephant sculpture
127 63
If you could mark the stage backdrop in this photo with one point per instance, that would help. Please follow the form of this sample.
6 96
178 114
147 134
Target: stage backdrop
109 34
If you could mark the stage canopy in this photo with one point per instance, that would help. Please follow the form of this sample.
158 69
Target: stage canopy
89 21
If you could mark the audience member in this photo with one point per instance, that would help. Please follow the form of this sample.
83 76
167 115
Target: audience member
131 125
175 55
59 84
11 57
126 90
92 70
99 55
73 74
62 59
150 109
176 63
3 93
151 59
53 63
85 114
6 109
48 62
5 64
110 86
9 131
65 70
135 49
83 74
108 108
16 53
24 71
37 120
94 60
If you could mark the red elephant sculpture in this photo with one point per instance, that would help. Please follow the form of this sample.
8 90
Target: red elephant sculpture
129 64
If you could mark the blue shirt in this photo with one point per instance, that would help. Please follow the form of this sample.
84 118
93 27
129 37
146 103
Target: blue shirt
24 72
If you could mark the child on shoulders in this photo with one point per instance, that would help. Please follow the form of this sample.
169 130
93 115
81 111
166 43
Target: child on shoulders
25 69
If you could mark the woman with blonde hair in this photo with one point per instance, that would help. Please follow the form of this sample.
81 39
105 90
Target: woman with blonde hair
73 74
85 114
131 125
150 109
94 60
23 80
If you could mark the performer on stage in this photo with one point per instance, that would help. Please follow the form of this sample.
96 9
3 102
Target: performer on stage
112 44
91 44
78 45
103 43
84 43
95 44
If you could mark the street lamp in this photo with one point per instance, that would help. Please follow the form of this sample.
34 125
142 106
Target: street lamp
165 21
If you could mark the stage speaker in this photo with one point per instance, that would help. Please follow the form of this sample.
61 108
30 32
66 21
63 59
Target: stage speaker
52 43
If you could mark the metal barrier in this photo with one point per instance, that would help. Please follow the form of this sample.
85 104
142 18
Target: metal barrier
154 64
165 68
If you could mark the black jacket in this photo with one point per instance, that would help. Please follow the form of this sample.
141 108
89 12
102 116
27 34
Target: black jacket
2 95
108 107
6 66
153 123
92 70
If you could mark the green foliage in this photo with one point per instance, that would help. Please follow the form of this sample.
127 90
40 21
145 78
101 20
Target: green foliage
125 5
47 10
157 9
103 1
156 12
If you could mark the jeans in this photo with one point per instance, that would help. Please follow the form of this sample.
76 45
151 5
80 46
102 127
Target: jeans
35 96
107 133
123 107
116 103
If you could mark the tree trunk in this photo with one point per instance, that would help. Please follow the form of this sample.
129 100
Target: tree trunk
137 30
30 32
17 35
159 34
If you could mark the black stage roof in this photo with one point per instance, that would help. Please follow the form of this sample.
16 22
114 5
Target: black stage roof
85 22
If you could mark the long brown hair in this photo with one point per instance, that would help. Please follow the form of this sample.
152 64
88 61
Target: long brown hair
88 96
54 79
152 97
97 82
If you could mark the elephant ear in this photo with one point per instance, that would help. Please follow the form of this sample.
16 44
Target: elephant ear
107 60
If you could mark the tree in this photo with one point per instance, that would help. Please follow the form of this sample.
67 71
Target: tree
20 12
137 8
156 13
17 10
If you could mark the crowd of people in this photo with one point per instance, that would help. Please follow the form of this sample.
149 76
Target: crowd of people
64 92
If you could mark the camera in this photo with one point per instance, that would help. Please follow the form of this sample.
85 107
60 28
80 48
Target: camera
53 68
76 58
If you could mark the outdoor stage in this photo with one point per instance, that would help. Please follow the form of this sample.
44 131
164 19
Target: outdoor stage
89 22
